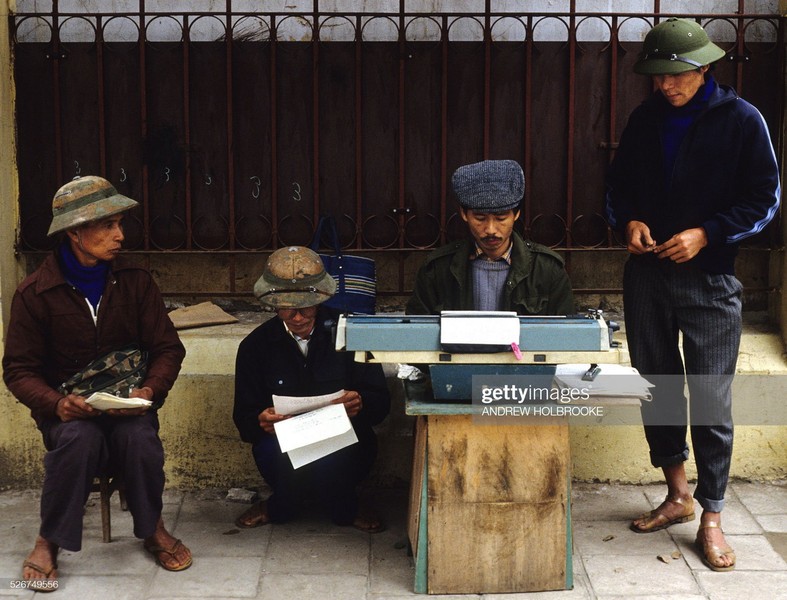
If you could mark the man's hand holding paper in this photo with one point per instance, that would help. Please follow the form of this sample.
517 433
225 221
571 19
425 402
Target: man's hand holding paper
268 418
286 406
73 406
352 402
143 393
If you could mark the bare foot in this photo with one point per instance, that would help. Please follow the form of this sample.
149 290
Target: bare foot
169 551
41 565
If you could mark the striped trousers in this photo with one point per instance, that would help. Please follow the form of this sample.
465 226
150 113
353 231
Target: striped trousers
662 302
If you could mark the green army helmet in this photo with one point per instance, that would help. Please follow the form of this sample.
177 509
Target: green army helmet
294 277
676 46
84 200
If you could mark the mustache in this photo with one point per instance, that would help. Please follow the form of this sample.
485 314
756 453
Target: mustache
491 238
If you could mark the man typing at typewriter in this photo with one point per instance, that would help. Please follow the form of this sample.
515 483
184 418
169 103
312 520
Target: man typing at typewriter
495 268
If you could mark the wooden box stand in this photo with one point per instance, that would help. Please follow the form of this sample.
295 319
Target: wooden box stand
489 504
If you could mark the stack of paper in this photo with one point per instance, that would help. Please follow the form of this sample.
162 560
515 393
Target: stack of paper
324 429
105 401
611 381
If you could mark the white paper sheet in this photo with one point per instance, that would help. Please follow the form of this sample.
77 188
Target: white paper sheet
341 333
612 380
295 405
105 401
315 434
306 454
479 327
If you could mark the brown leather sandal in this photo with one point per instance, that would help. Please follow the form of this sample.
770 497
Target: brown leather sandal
46 584
254 516
157 552
711 553
661 521
368 524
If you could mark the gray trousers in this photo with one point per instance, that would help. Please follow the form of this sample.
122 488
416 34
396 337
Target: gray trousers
662 300
78 451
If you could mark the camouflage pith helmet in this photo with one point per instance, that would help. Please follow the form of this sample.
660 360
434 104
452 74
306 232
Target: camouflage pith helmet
294 277
86 199
676 46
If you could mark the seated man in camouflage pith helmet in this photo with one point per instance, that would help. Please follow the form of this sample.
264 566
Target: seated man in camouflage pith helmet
80 304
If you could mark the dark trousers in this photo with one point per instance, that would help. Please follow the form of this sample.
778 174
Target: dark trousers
333 478
662 300
78 451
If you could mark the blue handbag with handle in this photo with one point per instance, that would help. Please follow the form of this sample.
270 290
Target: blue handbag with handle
356 278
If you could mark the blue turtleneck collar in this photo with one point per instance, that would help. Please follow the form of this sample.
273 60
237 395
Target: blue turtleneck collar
90 281
678 120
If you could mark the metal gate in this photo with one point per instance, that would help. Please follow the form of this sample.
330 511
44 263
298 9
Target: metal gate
237 130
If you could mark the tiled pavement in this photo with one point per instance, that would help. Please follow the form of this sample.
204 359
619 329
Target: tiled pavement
311 559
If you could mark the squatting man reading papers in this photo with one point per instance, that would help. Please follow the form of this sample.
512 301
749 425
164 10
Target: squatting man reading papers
293 355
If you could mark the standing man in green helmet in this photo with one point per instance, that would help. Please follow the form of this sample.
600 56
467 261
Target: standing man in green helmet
82 303
293 354
694 175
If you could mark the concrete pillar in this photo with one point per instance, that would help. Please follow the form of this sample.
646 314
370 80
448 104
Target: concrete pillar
781 305
9 183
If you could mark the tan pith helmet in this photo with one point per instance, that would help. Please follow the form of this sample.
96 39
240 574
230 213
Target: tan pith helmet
294 277
84 200
675 46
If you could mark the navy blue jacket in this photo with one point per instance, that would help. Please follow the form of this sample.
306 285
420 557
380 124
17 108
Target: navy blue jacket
725 178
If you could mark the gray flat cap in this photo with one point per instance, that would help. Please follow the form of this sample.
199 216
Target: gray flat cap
490 185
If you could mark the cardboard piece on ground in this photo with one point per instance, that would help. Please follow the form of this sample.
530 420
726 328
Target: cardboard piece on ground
200 315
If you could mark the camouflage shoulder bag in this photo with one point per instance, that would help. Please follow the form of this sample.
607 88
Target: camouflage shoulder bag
117 372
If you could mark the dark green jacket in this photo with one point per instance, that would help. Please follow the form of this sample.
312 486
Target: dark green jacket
537 283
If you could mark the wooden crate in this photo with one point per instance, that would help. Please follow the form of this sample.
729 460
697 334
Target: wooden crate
490 506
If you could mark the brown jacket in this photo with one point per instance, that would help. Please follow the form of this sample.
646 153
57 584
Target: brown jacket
51 334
